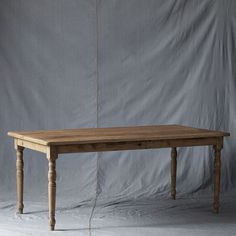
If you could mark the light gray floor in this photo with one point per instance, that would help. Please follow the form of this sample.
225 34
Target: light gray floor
188 215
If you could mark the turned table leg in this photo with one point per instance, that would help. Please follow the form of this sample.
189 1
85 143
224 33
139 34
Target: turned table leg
217 165
173 171
19 178
52 188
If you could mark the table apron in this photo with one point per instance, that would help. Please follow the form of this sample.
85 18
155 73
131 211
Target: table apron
119 146
136 145
31 145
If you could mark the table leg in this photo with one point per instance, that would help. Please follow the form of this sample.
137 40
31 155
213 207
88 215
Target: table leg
20 177
217 165
173 171
52 189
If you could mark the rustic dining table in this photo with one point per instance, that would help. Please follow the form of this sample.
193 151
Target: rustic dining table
55 142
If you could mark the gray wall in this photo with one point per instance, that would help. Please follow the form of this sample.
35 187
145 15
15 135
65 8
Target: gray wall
88 63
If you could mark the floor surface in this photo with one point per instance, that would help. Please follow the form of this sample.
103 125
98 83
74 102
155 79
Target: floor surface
188 215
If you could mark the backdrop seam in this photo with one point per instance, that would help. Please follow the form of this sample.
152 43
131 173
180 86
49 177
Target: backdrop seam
97 116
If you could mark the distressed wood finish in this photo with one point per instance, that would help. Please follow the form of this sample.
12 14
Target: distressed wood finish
114 135
54 142
133 145
20 177
30 145
173 171
51 156
217 167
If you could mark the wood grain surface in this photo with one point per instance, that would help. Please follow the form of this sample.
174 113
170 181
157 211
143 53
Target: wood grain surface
114 134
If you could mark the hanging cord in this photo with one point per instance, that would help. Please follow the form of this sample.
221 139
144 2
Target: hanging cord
98 190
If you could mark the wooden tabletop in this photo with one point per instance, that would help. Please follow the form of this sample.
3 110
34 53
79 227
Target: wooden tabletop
114 134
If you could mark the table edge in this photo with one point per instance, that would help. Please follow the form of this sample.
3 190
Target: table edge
48 143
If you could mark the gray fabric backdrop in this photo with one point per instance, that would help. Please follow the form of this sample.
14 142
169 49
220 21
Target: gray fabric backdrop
88 63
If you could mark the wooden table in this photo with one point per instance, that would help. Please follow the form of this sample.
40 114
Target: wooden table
54 142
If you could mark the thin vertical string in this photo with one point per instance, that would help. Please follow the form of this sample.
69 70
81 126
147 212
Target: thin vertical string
97 117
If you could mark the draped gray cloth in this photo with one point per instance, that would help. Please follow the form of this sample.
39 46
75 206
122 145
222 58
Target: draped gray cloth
101 63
